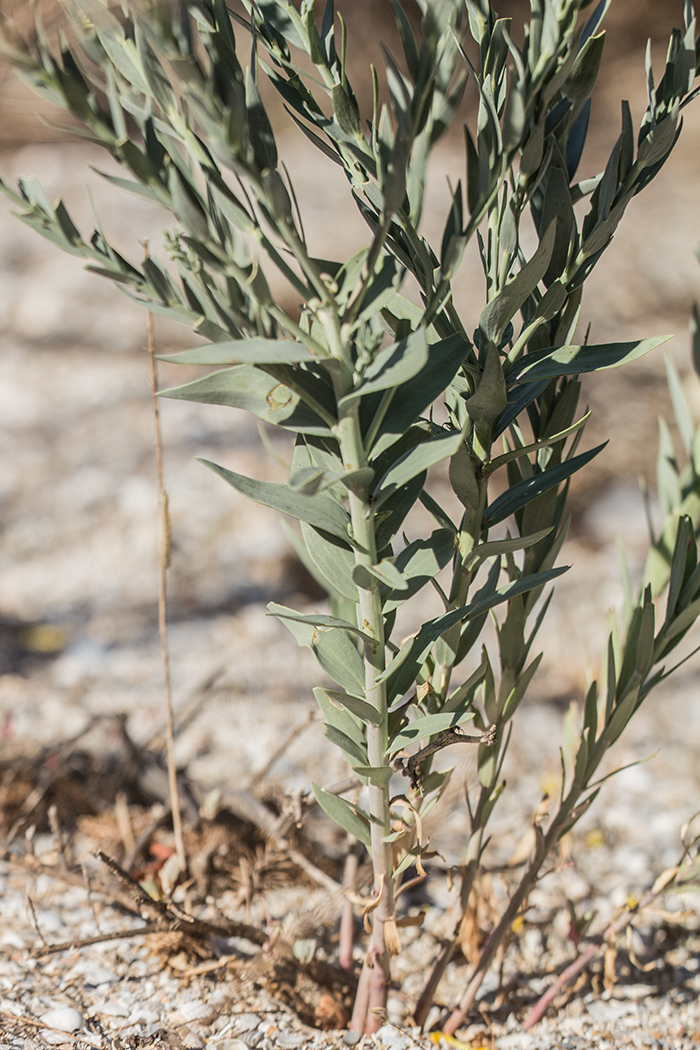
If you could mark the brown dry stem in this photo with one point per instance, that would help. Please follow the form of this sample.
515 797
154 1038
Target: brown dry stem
163 563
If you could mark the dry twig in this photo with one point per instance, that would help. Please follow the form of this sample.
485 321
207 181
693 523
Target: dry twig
598 944
163 563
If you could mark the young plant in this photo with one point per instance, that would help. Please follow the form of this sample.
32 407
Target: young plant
379 377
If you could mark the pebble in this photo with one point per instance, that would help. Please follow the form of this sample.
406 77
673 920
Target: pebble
114 1008
144 1015
49 921
633 991
94 973
393 1038
50 1035
244 1022
64 1018
92 1039
396 1009
194 1010
351 1037
516 1041
291 1039
13 939
607 1011
253 1039
191 1040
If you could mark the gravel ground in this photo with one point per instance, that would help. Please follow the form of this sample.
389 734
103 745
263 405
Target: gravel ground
79 641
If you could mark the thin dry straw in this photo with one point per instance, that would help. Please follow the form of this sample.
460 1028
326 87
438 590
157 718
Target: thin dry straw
163 563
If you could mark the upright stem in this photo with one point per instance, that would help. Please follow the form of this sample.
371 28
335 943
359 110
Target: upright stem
367 1016
500 931
163 562
449 942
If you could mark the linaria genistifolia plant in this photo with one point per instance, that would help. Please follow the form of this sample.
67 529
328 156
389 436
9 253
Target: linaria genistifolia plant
377 342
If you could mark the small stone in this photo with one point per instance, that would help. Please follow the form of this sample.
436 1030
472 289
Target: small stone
392 1037
63 1018
114 1008
49 921
244 1022
396 1009
194 1010
633 991
13 939
291 1039
51 1036
605 1012
91 1038
516 1041
94 973
351 1037
191 1040
144 1015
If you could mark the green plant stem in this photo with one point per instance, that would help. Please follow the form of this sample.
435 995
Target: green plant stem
449 943
448 646
475 848
367 1017
368 270
470 531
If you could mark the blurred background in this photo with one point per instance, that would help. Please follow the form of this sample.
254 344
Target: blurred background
78 502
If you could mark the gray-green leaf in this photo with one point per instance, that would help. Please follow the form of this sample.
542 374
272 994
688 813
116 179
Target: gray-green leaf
344 813
576 360
250 389
244 351
501 310
414 462
392 366
335 652
427 726
321 509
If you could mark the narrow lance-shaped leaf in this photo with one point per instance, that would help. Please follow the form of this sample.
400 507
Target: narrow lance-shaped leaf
415 462
250 389
414 396
344 813
320 509
501 310
320 620
360 708
354 752
427 726
575 360
491 397
508 545
332 558
244 351
384 571
419 563
336 653
392 366
402 669
523 492
681 411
